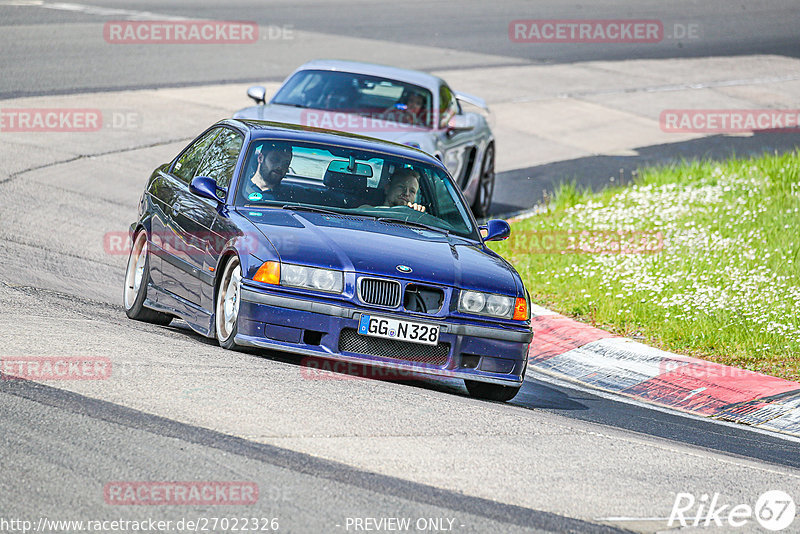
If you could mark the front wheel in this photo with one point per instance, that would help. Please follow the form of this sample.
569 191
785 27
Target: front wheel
137 277
483 198
495 392
227 306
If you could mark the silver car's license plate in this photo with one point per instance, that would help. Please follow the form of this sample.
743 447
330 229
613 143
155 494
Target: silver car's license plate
385 327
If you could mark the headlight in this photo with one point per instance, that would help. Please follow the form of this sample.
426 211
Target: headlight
312 278
486 304
326 280
294 275
472 302
499 305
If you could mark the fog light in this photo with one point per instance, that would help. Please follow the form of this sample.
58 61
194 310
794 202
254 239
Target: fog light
497 365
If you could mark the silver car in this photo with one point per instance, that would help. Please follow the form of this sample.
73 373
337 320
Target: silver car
404 106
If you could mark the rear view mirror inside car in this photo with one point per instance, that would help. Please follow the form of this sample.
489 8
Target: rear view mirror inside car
345 166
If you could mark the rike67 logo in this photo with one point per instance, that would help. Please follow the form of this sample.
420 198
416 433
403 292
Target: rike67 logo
774 510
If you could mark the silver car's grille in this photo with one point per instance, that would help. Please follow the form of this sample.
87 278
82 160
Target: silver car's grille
351 341
379 292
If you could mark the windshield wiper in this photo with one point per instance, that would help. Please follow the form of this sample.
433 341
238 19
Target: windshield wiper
315 209
303 207
290 104
416 224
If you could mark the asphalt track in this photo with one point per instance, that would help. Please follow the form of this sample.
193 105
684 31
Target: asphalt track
67 59
177 407
292 486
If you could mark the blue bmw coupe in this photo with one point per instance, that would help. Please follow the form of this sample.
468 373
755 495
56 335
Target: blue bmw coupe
330 245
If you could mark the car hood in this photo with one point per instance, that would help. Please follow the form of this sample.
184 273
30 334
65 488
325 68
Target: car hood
334 120
368 246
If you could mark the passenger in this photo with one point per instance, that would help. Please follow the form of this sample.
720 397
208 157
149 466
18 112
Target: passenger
273 164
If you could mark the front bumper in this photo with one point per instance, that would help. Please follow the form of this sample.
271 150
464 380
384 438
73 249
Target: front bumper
311 328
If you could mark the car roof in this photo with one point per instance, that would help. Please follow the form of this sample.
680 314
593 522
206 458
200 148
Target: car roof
278 130
415 77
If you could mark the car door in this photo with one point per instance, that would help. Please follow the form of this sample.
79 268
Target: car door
172 188
195 216
458 147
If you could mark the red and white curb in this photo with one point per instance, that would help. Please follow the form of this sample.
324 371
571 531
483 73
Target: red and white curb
577 352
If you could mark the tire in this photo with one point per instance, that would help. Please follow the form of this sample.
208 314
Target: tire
226 307
483 198
137 277
494 392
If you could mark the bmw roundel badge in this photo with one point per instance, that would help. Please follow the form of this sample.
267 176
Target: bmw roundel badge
404 268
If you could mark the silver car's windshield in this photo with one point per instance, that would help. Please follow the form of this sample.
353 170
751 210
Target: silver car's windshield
312 177
343 92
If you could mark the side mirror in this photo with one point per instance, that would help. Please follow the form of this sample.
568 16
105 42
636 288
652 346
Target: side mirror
206 187
257 93
496 230
459 123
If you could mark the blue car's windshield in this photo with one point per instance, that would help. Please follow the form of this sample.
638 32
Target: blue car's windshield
370 184
397 102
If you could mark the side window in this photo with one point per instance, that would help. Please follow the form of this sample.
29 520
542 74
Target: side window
187 164
448 105
220 158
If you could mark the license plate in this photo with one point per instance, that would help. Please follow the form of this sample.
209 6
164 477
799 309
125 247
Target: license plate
385 327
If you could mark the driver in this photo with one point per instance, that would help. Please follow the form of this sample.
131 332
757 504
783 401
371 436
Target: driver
415 106
410 108
402 188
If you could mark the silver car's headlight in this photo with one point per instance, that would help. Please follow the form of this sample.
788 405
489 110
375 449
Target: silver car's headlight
486 304
312 278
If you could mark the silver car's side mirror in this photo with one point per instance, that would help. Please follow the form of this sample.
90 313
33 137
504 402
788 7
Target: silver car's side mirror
459 123
257 93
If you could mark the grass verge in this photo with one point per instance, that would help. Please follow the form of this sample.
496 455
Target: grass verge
699 258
